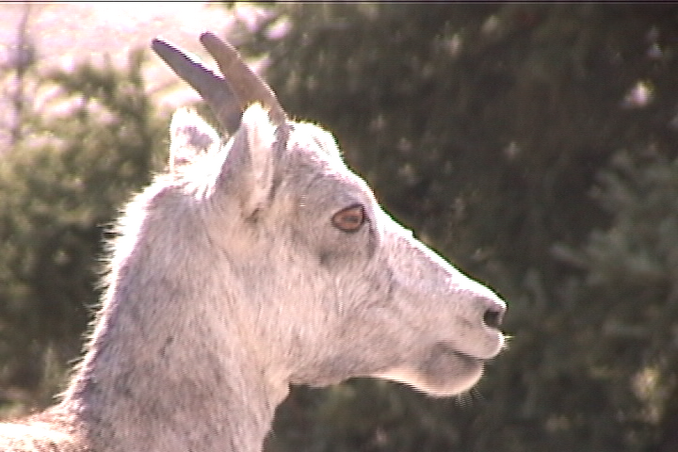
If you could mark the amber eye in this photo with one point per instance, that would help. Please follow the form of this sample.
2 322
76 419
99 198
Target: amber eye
349 219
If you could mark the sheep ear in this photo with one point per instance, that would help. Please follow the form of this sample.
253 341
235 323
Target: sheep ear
190 137
252 156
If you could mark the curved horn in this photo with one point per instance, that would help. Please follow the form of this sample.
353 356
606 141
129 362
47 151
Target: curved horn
212 88
247 86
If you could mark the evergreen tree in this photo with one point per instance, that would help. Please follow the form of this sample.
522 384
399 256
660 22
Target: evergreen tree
484 128
92 142
532 144
632 319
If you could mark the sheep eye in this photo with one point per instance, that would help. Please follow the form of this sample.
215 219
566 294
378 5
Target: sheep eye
349 219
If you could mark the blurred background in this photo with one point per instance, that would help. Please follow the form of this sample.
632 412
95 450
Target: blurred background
533 145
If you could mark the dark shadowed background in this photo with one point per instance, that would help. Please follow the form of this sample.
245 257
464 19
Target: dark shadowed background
533 145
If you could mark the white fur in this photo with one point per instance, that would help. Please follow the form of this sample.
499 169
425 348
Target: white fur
228 282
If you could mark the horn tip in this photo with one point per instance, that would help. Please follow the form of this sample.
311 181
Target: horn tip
207 36
159 44
212 42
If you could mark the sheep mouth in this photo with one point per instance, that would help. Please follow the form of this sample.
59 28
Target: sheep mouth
466 360
441 371
450 349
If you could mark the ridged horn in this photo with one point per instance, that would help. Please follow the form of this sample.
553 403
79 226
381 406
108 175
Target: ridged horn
212 88
247 86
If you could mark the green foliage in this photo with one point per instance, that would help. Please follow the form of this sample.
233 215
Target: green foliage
91 144
632 274
532 144
485 128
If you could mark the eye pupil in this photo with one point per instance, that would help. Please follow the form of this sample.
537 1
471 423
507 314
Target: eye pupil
349 219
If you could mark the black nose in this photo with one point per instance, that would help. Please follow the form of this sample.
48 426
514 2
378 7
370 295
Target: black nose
493 314
493 318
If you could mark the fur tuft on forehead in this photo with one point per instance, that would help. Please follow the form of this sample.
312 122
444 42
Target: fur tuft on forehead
190 138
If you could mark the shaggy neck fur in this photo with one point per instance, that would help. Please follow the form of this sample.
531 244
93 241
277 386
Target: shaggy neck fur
169 367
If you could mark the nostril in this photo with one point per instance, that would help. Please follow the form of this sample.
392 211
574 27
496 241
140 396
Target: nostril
493 318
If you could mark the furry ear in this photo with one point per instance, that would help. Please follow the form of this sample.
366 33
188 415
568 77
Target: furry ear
258 149
190 137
